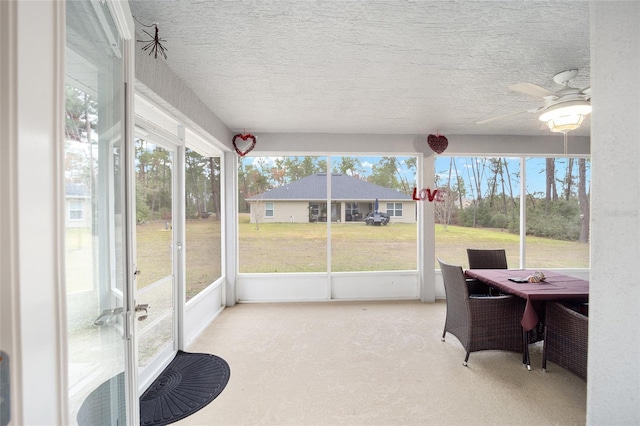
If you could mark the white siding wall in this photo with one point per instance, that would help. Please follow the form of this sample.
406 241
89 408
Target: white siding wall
298 212
283 211
408 212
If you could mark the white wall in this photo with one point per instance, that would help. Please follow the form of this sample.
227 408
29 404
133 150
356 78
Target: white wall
31 184
9 332
341 144
201 310
613 387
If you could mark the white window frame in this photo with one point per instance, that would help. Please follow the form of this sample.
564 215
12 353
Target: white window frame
394 209
267 210
72 210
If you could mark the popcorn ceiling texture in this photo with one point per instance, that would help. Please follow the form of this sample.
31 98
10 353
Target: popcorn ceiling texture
391 67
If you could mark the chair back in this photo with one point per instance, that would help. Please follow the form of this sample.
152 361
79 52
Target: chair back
487 258
457 297
480 323
566 338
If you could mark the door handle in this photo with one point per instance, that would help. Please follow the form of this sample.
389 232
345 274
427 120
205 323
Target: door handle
106 316
143 307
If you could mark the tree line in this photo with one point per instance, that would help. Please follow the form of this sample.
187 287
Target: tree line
485 192
153 184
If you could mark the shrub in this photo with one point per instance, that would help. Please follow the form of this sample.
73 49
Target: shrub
500 220
560 221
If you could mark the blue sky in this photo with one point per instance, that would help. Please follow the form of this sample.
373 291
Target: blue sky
535 171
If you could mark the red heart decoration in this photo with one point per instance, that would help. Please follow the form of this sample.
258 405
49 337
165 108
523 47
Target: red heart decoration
244 137
438 143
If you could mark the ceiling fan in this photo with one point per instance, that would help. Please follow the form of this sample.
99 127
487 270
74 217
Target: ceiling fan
563 110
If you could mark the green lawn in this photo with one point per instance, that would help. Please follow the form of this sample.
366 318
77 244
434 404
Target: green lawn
452 242
302 247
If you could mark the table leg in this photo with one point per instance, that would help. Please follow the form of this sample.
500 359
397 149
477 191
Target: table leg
525 349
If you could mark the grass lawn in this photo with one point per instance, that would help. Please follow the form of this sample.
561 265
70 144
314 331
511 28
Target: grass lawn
302 247
452 242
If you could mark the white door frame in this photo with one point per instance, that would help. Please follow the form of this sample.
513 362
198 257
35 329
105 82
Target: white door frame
32 39
174 145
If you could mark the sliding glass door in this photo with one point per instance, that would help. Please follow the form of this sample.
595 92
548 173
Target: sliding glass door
94 229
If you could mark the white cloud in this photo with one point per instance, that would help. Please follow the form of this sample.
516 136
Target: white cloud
264 161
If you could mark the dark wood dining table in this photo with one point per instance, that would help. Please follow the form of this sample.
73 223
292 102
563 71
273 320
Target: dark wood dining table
556 286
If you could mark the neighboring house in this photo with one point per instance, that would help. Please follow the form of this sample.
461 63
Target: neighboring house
77 206
305 200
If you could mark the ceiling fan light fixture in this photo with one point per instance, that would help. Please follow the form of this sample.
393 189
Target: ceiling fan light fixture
565 123
566 116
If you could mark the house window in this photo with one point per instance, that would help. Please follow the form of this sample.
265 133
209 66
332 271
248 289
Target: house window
314 212
268 209
76 210
394 209
352 212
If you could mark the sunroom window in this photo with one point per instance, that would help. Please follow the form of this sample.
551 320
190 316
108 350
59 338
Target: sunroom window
294 192
480 208
203 233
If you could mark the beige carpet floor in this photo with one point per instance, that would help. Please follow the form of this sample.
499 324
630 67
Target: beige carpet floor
373 363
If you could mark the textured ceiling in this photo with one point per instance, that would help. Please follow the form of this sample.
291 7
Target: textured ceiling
389 67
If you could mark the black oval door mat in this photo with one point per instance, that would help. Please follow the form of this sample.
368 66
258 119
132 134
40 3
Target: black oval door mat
190 382
187 384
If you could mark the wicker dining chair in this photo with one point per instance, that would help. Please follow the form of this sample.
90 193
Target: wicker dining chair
497 259
565 339
485 259
480 323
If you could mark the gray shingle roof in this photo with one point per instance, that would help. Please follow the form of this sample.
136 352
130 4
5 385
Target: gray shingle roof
343 187
77 190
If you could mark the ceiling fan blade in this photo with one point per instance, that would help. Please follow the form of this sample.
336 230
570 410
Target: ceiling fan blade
488 120
586 92
532 90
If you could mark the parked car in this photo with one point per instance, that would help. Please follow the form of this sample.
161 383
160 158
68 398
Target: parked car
377 219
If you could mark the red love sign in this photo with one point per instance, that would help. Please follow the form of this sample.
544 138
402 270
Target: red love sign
244 137
426 194
438 143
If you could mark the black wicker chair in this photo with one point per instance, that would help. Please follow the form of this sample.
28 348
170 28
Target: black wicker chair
485 259
565 339
480 323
